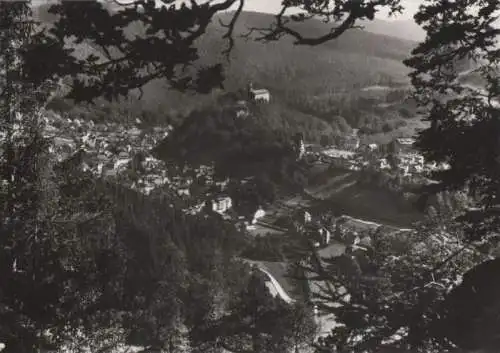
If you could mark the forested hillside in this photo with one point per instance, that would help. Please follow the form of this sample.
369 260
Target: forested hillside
121 235
317 89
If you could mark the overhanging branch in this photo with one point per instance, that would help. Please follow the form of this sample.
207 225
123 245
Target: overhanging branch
230 29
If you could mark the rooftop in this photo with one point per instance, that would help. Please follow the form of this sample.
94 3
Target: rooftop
260 91
406 140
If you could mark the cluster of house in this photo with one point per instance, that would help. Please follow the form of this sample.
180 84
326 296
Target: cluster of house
220 204
209 192
123 153
407 160
333 237
326 231
116 151
110 150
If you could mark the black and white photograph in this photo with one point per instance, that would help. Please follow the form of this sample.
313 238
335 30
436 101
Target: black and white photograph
249 176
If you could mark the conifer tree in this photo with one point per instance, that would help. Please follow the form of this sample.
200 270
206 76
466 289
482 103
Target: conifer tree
51 277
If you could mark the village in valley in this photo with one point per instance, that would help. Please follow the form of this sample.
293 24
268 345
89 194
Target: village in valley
209 177
124 153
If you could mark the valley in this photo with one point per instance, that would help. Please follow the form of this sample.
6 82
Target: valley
282 210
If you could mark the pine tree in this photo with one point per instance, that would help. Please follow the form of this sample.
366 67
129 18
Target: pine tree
24 317
51 279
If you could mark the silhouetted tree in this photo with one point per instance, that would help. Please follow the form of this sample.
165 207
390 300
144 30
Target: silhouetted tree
258 322
464 127
390 295
470 316
54 237
121 63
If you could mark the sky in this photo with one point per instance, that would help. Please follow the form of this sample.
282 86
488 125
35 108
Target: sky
273 6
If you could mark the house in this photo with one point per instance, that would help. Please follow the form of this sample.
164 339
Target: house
307 217
338 158
134 131
120 163
258 95
351 143
222 204
197 208
403 144
183 190
367 149
383 164
61 142
222 184
258 215
241 109
405 141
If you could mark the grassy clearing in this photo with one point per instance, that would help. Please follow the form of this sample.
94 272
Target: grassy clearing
338 190
413 125
372 204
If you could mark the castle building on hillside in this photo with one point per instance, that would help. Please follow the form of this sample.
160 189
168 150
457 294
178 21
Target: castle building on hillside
258 95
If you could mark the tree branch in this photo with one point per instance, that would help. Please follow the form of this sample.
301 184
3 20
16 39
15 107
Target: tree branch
344 12
230 27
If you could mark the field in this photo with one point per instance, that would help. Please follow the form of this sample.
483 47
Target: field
413 125
343 194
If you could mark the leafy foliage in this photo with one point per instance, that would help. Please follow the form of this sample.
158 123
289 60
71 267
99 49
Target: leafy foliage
257 322
147 264
391 294
471 309
39 253
463 132
464 119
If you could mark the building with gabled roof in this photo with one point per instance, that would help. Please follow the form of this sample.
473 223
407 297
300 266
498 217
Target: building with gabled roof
258 95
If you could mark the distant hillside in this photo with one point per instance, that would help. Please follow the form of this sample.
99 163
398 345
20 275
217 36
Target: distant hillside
356 59
403 29
327 73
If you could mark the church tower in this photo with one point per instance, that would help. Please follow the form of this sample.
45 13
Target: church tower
250 90
299 145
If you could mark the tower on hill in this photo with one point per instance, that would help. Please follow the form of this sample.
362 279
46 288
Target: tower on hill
258 95
298 144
